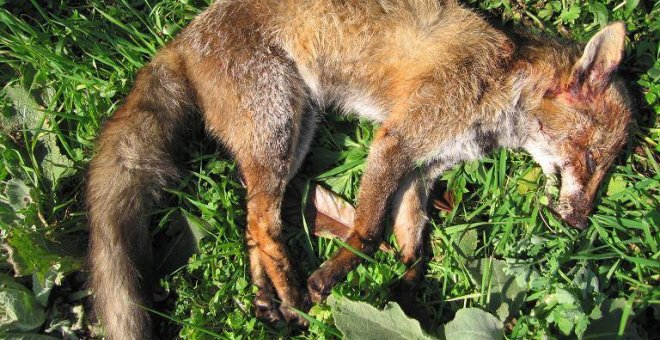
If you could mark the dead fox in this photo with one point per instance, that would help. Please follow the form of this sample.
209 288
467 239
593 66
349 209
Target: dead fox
443 84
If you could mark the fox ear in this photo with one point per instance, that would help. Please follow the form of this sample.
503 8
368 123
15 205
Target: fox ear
600 58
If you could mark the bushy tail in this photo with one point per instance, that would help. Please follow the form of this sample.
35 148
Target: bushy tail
132 165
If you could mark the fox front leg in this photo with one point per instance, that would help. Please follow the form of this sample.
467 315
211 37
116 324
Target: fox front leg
388 162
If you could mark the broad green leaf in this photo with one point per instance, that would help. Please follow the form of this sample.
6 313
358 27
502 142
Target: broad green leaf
605 321
18 194
468 245
529 181
569 15
565 324
546 12
650 97
19 310
616 185
27 113
30 253
360 320
564 297
474 324
170 29
67 320
587 281
7 214
630 6
568 317
55 165
600 12
43 283
505 294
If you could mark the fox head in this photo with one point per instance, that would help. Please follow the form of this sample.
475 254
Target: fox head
582 120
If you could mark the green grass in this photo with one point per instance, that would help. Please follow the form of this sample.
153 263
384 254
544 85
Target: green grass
66 65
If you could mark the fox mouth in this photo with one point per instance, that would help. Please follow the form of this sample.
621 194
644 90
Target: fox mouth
571 217
573 211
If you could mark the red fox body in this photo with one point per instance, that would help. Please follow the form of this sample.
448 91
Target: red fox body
444 85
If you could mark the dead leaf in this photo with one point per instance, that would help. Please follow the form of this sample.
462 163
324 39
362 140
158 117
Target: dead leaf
334 216
444 203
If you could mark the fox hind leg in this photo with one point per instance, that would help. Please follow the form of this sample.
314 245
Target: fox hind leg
271 269
264 301
265 121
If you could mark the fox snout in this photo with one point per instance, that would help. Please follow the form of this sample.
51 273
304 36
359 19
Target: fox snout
576 199
576 220
573 212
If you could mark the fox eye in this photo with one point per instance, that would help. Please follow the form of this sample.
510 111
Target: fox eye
591 165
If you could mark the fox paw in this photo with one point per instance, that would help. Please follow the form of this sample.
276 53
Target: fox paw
290 311
266 309
319 286
293 318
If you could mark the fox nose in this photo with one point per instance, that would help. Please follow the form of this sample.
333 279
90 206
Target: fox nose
573 219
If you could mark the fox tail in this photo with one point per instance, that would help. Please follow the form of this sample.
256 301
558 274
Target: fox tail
133 163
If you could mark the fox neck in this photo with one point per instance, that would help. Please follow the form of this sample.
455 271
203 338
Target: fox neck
533 77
